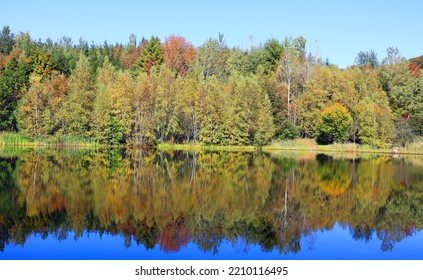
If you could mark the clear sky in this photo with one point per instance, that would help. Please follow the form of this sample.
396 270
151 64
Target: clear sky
336 30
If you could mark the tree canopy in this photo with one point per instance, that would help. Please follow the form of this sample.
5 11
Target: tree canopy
149 92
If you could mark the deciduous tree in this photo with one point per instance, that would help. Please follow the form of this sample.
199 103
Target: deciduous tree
212 57
334 124
178 54
75 116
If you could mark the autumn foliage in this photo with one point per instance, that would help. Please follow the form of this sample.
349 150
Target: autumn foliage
335 124
178 54
168 200
148 92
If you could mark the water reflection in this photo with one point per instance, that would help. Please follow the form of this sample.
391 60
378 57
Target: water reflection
174 198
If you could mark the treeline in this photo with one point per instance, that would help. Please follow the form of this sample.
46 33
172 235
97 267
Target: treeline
147 92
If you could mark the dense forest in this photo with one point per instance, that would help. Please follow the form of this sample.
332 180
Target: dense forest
147 92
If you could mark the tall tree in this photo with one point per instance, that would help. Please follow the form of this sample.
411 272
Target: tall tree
144 103
168 127
213 107
416 108
188 107
54 92
13 83
290 69
25 43
273 51
238 113
41 64
7 40
30 117
212 57
265 129
151 54
247 62
119 115
375 122
102 102
367 59
403 90
36 115
76 112
317 96
130 54
178 54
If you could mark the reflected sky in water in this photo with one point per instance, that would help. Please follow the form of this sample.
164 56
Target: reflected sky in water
131 204
320 245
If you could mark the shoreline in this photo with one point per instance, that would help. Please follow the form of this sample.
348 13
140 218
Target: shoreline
300 145
339 148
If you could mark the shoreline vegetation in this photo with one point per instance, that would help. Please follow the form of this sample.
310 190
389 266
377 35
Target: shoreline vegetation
305 145
166 95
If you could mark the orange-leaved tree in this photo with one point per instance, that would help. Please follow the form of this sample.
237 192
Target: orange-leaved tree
178 54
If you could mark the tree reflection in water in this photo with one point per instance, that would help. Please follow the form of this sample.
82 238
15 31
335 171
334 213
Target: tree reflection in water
175 197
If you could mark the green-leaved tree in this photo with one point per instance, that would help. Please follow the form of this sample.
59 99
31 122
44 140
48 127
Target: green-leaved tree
334 124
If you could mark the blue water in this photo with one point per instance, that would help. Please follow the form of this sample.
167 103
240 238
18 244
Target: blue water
222 205
319 245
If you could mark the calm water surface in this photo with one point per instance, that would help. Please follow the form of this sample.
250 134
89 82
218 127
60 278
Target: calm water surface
84 204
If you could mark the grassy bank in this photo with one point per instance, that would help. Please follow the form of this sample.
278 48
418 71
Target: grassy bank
311 145
17 140
203 147
306 145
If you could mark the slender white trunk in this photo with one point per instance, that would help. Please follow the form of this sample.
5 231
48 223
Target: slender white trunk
289 95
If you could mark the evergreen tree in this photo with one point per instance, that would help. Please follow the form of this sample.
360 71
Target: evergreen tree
151 54
13 83
7 40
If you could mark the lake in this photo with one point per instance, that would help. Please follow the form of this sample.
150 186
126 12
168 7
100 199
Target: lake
135 204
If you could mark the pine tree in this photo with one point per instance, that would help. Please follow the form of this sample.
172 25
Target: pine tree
151 54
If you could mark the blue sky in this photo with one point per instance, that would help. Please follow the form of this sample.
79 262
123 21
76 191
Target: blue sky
336 30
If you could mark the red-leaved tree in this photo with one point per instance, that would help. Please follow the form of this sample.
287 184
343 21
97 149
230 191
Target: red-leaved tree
178 54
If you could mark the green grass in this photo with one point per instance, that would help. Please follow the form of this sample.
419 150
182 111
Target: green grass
416 146
306 145
202 147
12 139
15 139
310 145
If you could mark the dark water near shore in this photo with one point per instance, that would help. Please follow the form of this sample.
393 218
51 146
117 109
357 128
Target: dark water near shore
132 204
